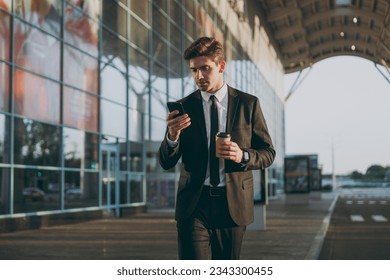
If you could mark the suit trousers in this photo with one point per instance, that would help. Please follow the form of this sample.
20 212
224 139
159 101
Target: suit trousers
210 232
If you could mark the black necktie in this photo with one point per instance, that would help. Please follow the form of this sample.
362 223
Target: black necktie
214 162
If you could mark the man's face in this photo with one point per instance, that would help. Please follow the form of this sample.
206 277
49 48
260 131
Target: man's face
208 75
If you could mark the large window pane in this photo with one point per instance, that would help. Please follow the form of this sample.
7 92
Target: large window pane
36 190
81 189
4 139
135 125
174 39
113 84
139 33
5 184
159 22
36 143
81 24
80 109
80 70
114 51
4 86
158 129
176 12
36 97
5 32
141 8
136 190
159 51
113 119
45 14
114 17
161 193
159 103
36 51
136 156
80 149
175 87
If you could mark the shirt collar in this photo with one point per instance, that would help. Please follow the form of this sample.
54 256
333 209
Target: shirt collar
220 94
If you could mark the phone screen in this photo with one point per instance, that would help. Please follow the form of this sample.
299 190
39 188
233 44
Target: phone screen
172 106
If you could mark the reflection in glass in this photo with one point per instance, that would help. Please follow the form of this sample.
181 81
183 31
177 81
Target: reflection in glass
36 97
158 129
36 143
113 118
159 22
139 32
4 139
114 17
136 156
36 51
80 109
136 191
161 193
4 190
135 125
159 101
80 149
36 190
159 53
173 38
175 87
141 9
81 189
81 24
113 84
5 32
43 13
114 51
4 86
139 67
80 70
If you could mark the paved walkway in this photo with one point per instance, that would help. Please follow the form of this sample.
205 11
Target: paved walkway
294 230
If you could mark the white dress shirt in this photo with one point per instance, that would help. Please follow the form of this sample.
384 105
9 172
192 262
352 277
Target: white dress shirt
222 105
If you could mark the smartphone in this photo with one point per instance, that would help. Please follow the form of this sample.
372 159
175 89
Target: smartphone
172 106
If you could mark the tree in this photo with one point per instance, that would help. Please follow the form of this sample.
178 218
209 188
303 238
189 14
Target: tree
356 175
375 172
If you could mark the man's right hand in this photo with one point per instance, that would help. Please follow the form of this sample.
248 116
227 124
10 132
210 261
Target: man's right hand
176 125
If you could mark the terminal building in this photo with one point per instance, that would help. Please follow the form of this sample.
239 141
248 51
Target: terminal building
83 93
84 86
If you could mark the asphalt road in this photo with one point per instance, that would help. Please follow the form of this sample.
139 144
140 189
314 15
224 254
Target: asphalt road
360 226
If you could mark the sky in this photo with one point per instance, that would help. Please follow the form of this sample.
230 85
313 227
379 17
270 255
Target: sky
341 108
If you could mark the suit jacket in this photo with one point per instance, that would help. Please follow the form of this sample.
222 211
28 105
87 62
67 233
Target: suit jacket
246 123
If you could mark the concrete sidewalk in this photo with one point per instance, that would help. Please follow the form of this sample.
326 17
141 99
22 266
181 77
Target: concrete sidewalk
295 228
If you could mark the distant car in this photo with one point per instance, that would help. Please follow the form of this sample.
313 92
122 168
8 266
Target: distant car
327 188
33 193
73 193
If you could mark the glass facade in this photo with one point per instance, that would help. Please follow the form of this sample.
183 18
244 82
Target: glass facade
83 92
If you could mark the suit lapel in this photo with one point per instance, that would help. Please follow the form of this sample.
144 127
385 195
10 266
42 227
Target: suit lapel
233 103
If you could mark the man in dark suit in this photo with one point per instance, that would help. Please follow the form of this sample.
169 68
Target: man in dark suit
215 194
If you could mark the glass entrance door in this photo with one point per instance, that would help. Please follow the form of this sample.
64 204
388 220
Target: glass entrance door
110 178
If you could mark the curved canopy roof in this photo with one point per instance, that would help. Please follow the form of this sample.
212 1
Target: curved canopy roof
307 31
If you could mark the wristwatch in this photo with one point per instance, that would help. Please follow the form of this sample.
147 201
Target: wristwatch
245 157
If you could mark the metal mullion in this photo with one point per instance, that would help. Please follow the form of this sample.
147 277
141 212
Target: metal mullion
62 164
12 111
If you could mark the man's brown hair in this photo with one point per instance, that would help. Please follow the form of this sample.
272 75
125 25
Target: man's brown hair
205 46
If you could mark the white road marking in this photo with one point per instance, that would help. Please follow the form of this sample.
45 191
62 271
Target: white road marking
379 218
357 218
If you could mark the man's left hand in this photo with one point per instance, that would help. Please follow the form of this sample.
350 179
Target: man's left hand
231 151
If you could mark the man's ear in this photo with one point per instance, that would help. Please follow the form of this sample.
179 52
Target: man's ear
222 66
